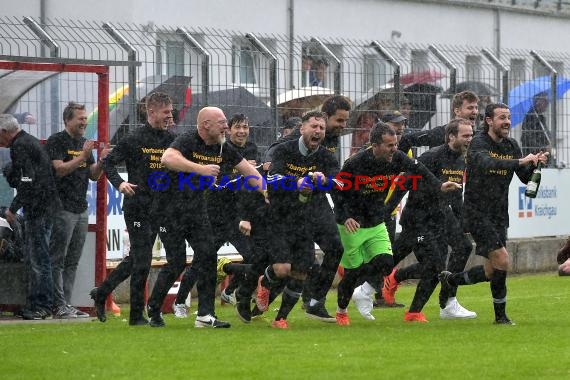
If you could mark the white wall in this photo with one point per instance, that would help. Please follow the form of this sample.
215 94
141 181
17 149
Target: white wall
419 22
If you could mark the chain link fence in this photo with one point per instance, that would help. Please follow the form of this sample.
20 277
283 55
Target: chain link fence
270 77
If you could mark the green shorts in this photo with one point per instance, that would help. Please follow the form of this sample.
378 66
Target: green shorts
363 245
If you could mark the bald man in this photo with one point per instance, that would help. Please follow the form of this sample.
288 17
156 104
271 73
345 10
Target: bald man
195 160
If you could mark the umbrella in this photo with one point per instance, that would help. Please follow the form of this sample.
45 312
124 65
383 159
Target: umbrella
232 101
426 76
298 101
422 98
177 87
520 97
480 88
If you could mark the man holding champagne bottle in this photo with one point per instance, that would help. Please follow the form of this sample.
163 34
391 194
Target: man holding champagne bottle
492 159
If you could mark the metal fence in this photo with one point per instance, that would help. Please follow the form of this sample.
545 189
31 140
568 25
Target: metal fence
269 77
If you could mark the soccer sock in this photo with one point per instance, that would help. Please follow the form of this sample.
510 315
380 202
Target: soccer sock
291 295
376 269
269 276
409 272
468 277
233 268
277 288
499 292
311 282
188 281
346 287
424 290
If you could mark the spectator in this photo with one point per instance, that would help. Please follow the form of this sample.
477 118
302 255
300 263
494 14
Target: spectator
37 194
535 136
72 159
361 135
290 125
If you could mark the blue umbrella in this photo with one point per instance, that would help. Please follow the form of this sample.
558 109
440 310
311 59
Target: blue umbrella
520 97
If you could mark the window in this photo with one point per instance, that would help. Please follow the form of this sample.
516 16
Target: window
539 70
245 63
374 72
473 70
419 60
172 56
518 72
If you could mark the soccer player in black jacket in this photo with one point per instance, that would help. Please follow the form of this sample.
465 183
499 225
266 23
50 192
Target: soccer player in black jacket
141 151
37 194
196 159
492 159
325 234
464 105
360 210
223 214
299 173
430 219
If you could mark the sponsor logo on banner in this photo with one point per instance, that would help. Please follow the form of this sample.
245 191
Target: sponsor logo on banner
543 206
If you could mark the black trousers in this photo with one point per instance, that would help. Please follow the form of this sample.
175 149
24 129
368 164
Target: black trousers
192 226
325 234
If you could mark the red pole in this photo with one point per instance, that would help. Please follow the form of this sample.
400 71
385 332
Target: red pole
101 213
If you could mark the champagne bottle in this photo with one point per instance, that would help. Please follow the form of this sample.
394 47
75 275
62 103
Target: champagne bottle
534 182
306 197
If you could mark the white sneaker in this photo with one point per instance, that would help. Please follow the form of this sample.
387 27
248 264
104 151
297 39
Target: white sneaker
78 313
453 310
363 303
210 321
180 310
227 298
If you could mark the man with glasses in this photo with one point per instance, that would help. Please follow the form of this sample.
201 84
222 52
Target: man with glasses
195 159
223 215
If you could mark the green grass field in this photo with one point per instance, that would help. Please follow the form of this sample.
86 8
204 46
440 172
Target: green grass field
387 348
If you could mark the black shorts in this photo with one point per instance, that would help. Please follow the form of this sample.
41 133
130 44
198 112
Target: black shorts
488 237
429 244
294 246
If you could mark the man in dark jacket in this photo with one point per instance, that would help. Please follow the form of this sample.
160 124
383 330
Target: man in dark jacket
492 160
37 194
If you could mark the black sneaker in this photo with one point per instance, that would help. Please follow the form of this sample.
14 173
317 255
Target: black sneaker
256 313
243 312
99 304
141 321
319 312
36 315
155 317
504 321
243 307
210 321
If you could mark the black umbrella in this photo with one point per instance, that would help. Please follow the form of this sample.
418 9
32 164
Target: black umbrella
177 87
233 101
422 99
480 88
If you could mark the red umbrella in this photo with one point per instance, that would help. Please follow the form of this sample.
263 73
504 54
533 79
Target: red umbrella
427 76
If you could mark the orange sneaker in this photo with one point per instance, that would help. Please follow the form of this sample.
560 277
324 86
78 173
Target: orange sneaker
280 324
262 300
342 319
390 287
415 317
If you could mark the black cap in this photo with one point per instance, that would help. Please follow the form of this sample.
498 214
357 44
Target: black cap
393 117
